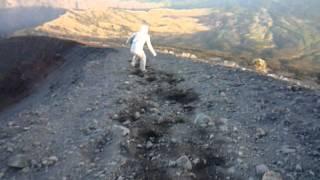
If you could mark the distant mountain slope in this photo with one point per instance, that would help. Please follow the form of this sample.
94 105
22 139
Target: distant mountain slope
309 8
79 4
288 43
114 23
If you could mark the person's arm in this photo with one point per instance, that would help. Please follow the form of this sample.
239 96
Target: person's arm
130 38
150 47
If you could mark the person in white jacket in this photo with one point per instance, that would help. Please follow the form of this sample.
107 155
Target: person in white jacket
137 41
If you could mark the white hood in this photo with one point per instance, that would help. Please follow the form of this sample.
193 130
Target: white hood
144 29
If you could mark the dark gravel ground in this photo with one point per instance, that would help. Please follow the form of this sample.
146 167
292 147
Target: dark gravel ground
97 118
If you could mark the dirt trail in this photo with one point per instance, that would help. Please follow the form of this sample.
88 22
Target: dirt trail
97 118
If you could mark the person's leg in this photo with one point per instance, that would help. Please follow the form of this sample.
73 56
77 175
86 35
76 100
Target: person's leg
134 60
143 62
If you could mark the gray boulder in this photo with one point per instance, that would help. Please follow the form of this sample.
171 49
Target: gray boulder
203 120
261 169
271 175
18 161
184 163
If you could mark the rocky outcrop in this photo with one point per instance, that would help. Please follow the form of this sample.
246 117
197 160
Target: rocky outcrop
260 65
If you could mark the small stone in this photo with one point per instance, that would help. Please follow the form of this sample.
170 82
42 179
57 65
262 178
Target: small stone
19 161
44 162
154 110
10 124
235 129
311 173
279 163
260 133
137 115
49 161
115 117
287 150
35 164
196 161
231 170
89 109
298 167
125 131
241 153
9 149
184 163
36 143
172 163
26 170
261 169
224 128
149 145
271 175
53 160
1 175
174 140
153 104
26 148
203 120
315 153
127 122
120 178
26 128
223 121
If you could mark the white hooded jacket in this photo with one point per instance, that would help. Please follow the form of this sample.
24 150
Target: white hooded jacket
139 40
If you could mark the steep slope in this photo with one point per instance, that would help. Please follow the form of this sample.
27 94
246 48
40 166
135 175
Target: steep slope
98 118
25 62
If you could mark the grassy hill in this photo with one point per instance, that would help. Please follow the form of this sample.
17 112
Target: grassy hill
114 23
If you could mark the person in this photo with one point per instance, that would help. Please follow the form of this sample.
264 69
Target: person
137 41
